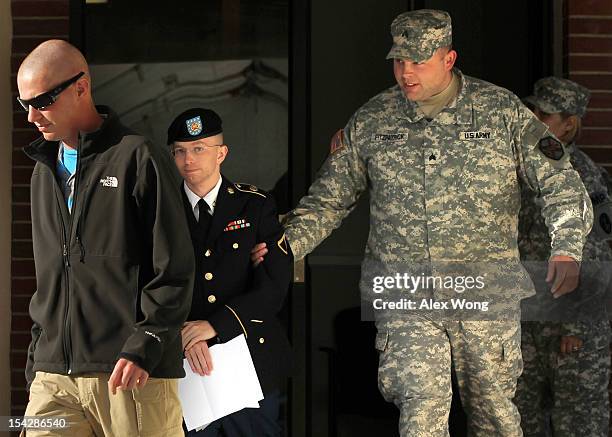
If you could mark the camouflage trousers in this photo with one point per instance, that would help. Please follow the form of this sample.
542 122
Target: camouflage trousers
415 374
564 394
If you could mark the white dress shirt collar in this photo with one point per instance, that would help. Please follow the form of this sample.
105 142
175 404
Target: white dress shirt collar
210 198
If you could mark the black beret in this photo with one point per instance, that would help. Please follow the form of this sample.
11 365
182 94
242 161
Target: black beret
194 124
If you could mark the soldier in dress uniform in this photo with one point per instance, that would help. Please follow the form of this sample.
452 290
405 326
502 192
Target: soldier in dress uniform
231 297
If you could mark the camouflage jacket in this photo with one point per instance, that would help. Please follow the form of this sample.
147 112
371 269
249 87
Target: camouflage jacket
586 302
445 189
534 240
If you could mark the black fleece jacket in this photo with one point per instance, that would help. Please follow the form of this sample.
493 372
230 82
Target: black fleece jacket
115 276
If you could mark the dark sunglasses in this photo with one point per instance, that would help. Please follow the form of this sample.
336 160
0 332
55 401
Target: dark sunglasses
43 100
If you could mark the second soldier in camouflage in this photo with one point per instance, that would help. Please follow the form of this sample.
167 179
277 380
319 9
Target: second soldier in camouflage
563 390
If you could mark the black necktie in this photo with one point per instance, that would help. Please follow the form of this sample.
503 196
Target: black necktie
205 217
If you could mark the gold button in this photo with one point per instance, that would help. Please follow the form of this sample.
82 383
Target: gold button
207 253
261 340
208 276
230 190
235 245
212 298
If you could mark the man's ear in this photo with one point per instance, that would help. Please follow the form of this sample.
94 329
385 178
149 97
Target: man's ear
82 86
571 123
222 153
449 59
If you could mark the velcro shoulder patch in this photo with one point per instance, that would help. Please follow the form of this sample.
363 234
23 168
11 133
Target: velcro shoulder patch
337 142
602 223
551 148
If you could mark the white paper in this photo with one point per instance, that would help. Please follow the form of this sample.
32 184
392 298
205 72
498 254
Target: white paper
231 386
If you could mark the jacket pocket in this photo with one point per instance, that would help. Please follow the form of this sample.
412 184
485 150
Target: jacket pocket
511 365
512 358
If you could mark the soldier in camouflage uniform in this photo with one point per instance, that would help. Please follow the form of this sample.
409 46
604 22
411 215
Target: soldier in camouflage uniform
563 388
441 154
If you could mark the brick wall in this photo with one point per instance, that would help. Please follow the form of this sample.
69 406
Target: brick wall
589 62
588 57
33 22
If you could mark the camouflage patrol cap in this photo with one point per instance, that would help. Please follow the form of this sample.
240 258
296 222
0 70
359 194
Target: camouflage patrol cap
417 34
554 95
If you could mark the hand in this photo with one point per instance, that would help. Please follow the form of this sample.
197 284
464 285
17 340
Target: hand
126 376
257 253
199 358
570 343
195 331
563 272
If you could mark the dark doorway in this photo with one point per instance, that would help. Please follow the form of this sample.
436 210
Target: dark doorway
314 63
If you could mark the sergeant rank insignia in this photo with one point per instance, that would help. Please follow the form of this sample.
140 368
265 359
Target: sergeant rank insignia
551 148
236 224
194 126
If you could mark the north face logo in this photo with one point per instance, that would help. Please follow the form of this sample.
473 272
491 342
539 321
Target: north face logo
109 181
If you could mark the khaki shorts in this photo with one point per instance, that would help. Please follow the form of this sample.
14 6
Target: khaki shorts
92 410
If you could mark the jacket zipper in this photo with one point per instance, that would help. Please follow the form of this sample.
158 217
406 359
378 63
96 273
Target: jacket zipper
66 265
67 247
66 337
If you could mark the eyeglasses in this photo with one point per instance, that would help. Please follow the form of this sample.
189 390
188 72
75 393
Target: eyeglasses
43 100
180 152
